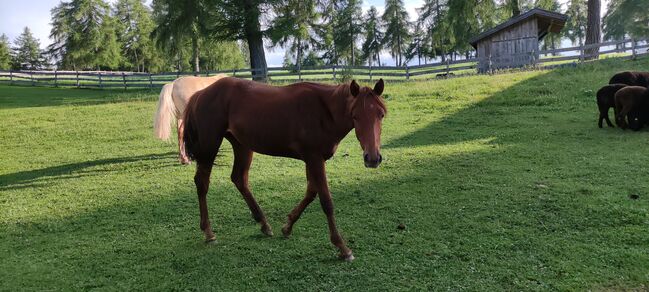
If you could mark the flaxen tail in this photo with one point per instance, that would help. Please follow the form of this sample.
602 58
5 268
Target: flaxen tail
166 109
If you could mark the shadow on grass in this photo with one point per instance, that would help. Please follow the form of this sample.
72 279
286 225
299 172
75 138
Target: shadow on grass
31 178
474 219
12 97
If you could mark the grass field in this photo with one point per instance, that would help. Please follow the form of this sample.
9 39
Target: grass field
503 182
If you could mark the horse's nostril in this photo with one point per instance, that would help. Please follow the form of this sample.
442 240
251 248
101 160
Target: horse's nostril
366 157
380 158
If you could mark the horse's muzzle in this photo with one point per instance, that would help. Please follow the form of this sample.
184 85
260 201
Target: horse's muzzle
372 163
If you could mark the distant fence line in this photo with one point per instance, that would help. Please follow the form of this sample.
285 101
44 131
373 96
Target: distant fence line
99 79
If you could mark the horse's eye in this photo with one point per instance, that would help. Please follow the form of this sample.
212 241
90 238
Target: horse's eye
381 115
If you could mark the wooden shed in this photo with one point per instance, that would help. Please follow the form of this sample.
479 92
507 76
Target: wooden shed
515 43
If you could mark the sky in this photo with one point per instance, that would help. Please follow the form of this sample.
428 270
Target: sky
16 14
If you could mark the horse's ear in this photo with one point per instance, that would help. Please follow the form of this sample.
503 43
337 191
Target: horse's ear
378 87
354 89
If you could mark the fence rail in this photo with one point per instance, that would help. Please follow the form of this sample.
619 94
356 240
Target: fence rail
628 48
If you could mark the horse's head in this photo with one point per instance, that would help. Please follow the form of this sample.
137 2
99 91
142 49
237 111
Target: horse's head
368 110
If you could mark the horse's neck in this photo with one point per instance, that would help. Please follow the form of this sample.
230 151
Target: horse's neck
340 108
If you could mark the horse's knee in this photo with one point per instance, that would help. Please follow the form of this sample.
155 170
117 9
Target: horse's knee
237 180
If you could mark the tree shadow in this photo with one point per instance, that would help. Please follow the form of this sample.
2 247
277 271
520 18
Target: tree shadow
12 97
36 177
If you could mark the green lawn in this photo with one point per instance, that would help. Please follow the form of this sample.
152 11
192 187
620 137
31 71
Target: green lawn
503 182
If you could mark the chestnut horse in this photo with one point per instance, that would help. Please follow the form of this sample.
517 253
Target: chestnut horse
173 99
305 121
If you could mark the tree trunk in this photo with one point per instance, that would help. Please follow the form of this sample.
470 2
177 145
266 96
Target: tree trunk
298 62
195 54
516 10
593 29
255 41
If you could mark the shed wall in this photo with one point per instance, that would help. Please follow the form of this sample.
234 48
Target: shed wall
514 46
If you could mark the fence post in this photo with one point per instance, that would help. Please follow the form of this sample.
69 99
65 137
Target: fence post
177 74
78 85
150 81
581 54
370 71
11 77
124 79
100 84
334 72
448 68
31 75
633 56
234 72
407 72
56 79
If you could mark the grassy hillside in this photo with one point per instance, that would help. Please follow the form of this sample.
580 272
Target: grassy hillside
502 182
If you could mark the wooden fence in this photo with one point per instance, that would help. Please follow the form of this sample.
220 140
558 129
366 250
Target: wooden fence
101 79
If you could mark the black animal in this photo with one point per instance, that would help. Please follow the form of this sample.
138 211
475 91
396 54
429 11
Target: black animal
606 100
632 103
631 78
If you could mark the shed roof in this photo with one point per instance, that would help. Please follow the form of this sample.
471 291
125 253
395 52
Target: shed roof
548 22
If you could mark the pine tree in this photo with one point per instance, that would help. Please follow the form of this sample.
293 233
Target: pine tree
397 35
241 20
626 18
222 55
324 32
575 29
292 27
26 51
5 53
179 22
466 19
84 35
135 24
372 46
435 31
347 21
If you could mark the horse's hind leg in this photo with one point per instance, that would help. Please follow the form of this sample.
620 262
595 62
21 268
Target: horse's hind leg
202 181
242 161
608 121
182 156
204 163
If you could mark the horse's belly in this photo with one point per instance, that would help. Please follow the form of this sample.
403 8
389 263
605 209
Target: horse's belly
266 143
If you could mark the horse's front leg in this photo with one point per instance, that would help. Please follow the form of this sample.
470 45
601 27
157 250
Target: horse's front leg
318 177
182 156
311 192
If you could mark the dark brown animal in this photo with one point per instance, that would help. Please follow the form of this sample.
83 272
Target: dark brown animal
631 78
304 121
632 103
606 100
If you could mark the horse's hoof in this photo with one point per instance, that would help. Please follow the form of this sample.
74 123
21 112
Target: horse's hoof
286 231
265 229
210 239
348 258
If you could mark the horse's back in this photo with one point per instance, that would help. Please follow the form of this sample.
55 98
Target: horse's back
185 87
631 78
